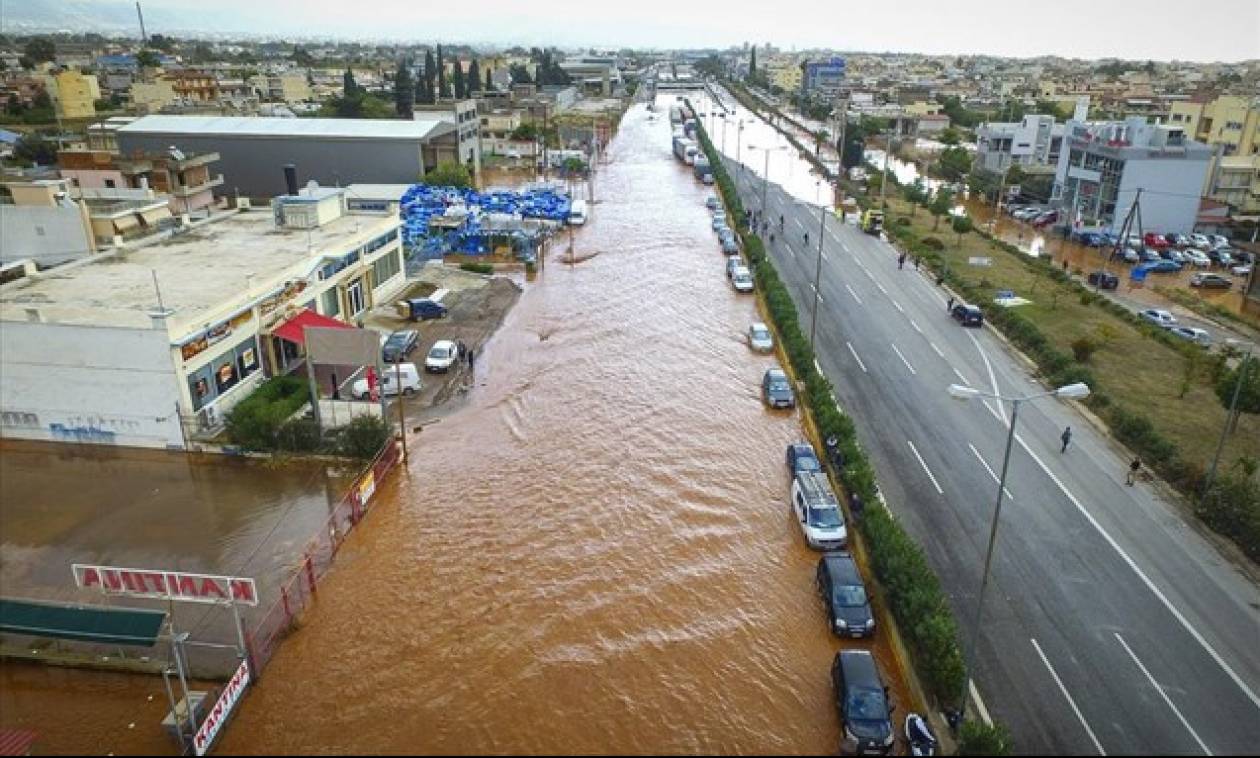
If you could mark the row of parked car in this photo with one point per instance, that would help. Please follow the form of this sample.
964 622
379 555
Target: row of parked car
739 275
1165 320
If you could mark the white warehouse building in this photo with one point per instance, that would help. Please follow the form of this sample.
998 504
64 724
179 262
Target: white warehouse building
143 347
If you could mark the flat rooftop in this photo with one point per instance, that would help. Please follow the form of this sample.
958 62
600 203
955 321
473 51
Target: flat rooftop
263 126
202 273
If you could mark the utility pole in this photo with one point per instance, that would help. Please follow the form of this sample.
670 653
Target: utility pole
143 35
1233 409
884 176
1124 234
822 230
402 416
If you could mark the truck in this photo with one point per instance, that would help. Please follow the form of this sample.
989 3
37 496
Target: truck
873 222
675 114
682 148
702 169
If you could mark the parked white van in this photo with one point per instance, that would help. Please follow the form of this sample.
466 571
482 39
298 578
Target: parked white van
577 212
403 375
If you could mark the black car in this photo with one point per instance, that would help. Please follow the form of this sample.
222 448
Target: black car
801 458
844 594
1103 280
862 700
423 308
967 315
400 345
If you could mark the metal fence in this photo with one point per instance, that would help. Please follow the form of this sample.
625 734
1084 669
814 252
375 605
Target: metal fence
298 591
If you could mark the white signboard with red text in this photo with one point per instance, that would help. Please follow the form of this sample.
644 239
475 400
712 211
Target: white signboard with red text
218 715
166 585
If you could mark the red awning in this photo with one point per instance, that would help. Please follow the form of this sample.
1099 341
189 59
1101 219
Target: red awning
16 741
293 329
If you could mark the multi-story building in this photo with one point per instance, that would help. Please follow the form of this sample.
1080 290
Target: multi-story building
1035 141
333 151
152 96
185 181
286 87
194 86
463 114
1235 181
1230 121
41 222
74 94
93 353
1103 165
823 78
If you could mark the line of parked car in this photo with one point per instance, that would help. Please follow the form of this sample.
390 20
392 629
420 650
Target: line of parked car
1165 320
741 278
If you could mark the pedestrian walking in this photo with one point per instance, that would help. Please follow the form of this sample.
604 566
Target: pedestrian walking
901 260
462 348
1134 468
949 304
470 359
1067 437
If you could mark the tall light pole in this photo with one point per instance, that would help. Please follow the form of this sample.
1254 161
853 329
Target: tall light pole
822 230
739 135
765 179
1233 408
963 392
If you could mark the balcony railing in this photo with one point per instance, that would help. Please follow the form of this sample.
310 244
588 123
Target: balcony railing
188 190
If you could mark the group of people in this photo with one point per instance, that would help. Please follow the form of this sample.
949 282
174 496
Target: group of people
465 353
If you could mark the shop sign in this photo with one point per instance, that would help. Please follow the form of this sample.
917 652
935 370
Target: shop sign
291 290
223 707
166 585
217 333
367 488
194 346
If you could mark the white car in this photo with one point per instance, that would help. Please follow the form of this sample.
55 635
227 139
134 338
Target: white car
1198 258
1193 334
759 338
402 375
1159 317
742 279
441 356
1131 255
1201 241
817 512
1217 240
1242 269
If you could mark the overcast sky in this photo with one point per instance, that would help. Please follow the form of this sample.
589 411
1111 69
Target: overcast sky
1199 30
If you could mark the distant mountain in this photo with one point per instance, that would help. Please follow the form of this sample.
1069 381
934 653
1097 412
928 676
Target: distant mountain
117 17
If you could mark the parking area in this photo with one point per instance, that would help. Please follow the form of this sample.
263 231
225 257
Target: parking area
476 305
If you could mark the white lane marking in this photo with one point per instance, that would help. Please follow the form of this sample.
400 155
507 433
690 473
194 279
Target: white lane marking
980 707
881 287
938 351
856 358
1163 694
915 324
984 463
903 358
798 223
1071 702
961 378
1177 614
854 294
939 491
899 308
992 376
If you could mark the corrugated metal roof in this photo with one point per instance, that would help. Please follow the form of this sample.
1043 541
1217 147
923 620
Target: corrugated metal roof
257 126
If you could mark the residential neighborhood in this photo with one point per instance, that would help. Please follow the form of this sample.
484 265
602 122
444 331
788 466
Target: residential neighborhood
587 381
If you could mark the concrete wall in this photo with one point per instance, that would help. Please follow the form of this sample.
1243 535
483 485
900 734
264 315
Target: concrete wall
254 165
102 385
1171 202
45 235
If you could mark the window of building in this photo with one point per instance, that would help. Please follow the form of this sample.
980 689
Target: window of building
330 304
223 373
385 269
109 183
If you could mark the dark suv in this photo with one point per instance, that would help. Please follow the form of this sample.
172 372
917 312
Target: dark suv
862 701
844 594
967 315
422 309
776 390
1103 280
801 458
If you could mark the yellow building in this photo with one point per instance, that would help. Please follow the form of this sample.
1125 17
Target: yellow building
151 97
1230 121
1235 180
74 94
923 108
784 73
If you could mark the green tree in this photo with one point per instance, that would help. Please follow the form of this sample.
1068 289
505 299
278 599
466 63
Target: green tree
520 74
954 163
978 739
474 77
147 58
430 78
348 85
449 174
301 57
951 136
162 42
33 148
962 225
404 90
489 84
40 50
14 106
752 63
525 133
458 80
942 204
1248 372
443 86
363 437
914 193
202 53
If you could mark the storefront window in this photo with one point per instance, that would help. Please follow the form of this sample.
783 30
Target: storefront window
330 303
223 373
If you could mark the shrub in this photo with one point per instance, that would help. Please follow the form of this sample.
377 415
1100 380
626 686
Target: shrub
363 437
1232 507
478 268
979 739
255 423
1083 348
933 243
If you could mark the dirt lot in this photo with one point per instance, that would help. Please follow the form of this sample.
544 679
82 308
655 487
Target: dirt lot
477 306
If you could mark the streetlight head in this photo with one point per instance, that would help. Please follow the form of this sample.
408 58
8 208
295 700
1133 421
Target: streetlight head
962 392
1074 391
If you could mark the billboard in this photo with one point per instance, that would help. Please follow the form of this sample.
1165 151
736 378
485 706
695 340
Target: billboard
218 715
166 585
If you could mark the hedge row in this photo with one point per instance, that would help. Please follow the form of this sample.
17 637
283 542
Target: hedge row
264 421
913 590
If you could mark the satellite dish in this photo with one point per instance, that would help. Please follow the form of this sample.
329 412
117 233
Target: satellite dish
176 153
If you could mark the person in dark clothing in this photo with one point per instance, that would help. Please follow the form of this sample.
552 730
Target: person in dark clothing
949 304
1066 437
463 349
1134 468
901 260
916 263
856 505
470 359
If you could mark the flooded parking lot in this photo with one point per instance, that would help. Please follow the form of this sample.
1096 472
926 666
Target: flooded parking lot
595 554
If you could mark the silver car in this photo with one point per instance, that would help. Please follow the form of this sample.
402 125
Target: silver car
759 338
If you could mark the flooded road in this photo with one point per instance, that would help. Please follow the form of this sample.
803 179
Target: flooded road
595 555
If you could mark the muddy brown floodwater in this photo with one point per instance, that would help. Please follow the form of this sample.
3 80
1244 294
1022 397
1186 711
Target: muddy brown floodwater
595 554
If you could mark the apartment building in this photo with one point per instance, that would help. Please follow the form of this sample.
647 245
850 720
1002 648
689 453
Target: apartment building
1035 141
74 94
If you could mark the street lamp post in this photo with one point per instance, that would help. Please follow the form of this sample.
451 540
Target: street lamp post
765 179
1233 408
963 392
822 229
739 135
